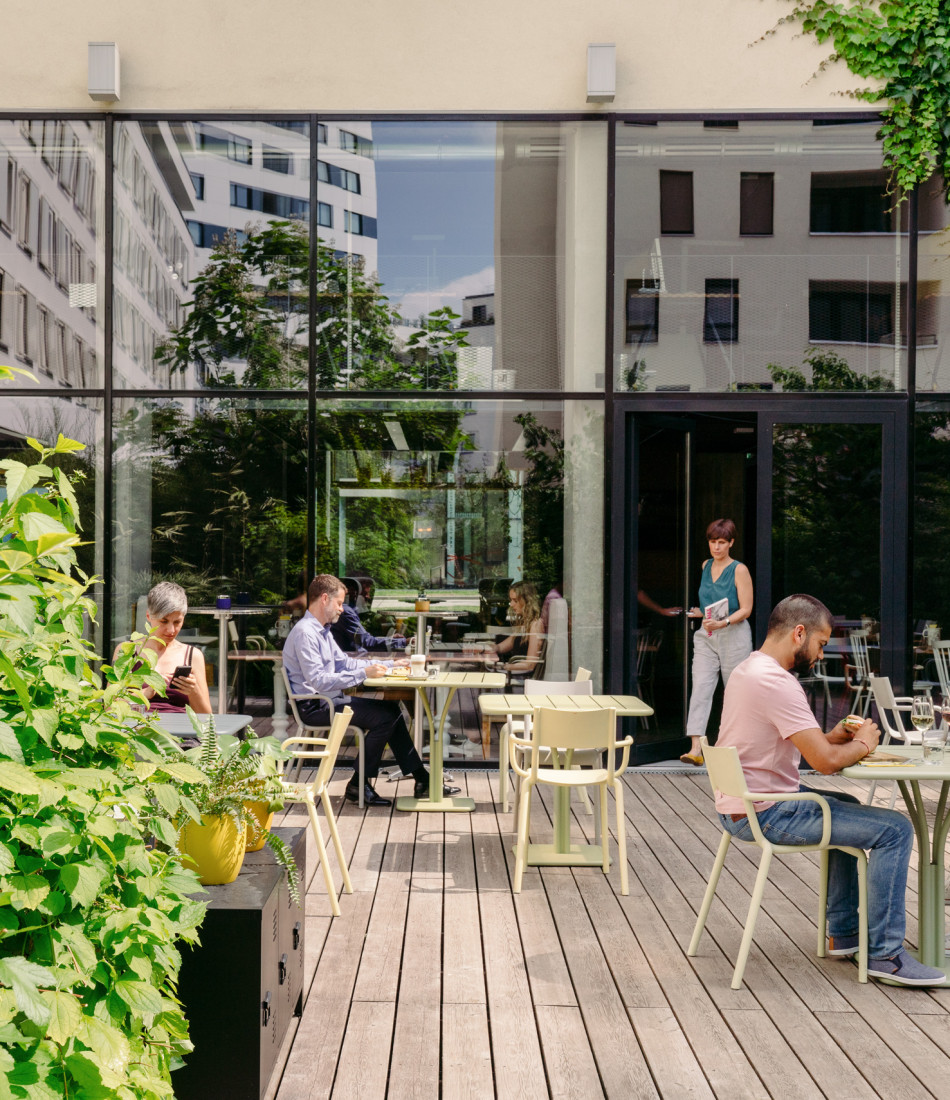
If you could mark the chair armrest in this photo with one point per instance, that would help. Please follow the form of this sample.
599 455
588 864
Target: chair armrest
516 745
625 759
316 695
287 742
798 796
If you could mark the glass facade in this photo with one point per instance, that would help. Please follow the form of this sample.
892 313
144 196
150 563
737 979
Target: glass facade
444 354
767 256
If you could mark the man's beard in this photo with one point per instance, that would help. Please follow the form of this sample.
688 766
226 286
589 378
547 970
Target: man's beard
802 664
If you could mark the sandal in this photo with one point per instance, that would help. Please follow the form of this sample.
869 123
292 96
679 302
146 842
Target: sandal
686 758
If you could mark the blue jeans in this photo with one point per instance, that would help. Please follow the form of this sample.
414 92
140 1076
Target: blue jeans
886 835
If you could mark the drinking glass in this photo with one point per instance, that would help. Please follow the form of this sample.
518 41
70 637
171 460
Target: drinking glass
922 719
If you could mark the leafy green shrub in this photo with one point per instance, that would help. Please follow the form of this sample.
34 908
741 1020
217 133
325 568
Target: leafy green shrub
89 914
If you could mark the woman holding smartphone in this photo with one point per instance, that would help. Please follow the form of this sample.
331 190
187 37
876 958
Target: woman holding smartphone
722 640
182 667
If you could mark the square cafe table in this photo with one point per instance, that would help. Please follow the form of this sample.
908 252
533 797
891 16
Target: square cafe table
562 853
930 845
436 802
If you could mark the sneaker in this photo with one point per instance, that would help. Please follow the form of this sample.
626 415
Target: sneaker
904 969
843 946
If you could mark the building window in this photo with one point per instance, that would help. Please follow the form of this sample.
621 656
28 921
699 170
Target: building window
225 145
643 311
275 160
198 182
349 181
362 224
721 124
207 236
26 217
325 215
268 202
480 315
297 126
676 202
756 203
338 177
850 202
353 143
851 313
321 134
721 315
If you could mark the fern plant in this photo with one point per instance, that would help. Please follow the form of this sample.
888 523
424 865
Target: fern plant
235 772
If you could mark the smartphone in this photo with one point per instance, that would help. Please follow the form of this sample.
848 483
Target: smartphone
182 670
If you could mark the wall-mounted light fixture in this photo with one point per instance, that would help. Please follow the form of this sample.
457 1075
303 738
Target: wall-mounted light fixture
601 72
103 71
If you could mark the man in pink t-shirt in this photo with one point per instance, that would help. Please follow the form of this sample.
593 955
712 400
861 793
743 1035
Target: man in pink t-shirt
767 719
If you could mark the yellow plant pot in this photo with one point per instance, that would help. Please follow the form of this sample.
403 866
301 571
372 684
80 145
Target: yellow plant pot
264 817
217 848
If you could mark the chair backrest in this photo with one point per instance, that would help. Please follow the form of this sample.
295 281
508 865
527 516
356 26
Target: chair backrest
941 652
233 633
888 711
559 687
576 729
725 771
859 650
292 699
582 673
334 739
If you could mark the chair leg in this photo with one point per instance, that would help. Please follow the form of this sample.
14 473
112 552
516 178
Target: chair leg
710 893
521 845
863 914
621 838
823 864
324 863
335 837
746 946
503 766
486 737
361 778
604 839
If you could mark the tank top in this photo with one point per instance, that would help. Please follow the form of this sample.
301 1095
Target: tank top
725 588
175 700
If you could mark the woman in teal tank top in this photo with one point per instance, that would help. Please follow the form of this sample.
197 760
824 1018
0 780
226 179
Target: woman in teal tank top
724 638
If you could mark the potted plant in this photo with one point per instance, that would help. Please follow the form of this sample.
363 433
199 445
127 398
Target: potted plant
214 818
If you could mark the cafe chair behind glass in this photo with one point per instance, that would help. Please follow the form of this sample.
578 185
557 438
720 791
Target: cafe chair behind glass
889 710
303 728
321 752
556 735
726 775
521 726
858 673
941 652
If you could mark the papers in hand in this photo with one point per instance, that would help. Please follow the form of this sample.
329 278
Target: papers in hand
718 610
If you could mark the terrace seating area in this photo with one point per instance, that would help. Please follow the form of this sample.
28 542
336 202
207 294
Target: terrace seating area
438 981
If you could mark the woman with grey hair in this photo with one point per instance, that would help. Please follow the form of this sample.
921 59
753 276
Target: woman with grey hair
181 666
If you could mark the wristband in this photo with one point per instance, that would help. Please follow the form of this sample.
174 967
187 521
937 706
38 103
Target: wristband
865 744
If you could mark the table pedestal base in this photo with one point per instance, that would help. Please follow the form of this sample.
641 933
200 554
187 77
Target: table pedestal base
576 855
453 805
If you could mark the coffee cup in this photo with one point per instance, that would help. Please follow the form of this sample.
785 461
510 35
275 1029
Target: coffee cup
417 666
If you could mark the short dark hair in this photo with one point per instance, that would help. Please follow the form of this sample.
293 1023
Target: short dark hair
324 584
796 610
721 529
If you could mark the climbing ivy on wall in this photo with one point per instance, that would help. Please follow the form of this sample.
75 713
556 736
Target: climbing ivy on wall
903 44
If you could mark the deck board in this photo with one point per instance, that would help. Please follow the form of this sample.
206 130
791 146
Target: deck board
437 982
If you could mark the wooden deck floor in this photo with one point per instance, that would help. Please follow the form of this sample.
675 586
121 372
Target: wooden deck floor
437 981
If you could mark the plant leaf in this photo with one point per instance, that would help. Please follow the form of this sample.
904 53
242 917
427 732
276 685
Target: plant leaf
25 978
64 1015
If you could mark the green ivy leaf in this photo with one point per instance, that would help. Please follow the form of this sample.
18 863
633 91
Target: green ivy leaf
27 891
143 999
81 881
18 778
25 978
9 745
64 1015
108 1044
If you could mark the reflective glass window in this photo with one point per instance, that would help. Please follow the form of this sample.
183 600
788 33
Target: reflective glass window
51 234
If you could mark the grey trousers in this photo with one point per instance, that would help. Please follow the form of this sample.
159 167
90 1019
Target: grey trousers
713 656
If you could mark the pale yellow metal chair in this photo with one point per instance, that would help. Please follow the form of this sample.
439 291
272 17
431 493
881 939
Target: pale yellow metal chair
726 775
557 735
889 710
322 752
580 685
303 727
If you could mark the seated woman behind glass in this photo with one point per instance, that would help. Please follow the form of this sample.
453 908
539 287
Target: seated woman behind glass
167 607
521 650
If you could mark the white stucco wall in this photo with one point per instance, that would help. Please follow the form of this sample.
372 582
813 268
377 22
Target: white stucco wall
425 55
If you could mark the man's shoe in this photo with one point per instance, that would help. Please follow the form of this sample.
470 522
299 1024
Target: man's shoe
843 946
421 789
370 797
904 969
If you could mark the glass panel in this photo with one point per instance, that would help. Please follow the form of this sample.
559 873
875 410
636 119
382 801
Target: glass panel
210 494
794 219
486 240
216 214
933 281
930 613
465 499
43 419
51 222
826 531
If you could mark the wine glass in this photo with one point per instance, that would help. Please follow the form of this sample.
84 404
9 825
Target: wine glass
922 719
